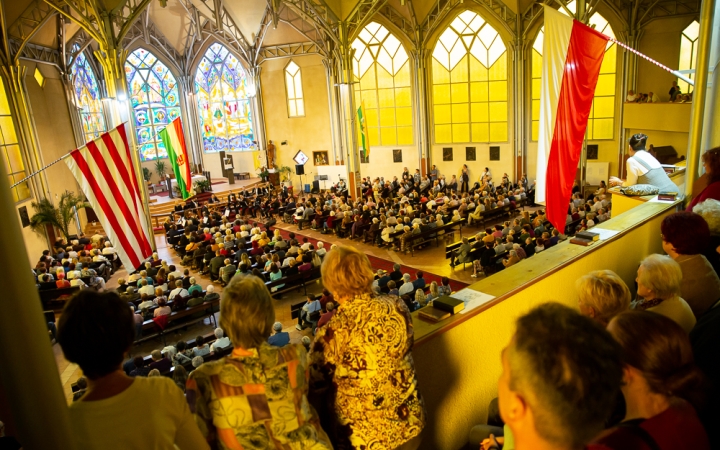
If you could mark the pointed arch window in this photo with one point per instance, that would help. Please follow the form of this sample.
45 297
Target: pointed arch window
10 149
601 123
469 81
688 52
87 96
294 90
381 73
155 100
221 86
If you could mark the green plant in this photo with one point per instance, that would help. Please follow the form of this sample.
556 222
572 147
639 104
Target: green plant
202 186
285 172
160 168
59 217
147 174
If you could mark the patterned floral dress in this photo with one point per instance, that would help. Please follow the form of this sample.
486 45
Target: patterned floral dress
256 399
362 373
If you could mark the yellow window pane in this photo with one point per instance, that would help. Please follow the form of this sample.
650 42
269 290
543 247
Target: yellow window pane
443 134
498 71
402 77
459 93
8 130
404 136
498 112
536 64
300 107
384 79
371 116
442 114
460 73
535 110
536 88
589 130
603 107
368 80
14 158
388 136
369 98
479 92
461 132
403 97
480 132
374 135
292 110
22 191
387 117
358 99
386 98
498 90
4 106
460 113
535 132
609 64
602 128
605 85
479 112
439 73
498 132
403 116
441 94
478 72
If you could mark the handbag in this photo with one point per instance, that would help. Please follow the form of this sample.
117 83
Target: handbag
640 189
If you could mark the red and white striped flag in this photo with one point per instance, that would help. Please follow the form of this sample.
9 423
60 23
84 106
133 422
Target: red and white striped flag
572 55
105 172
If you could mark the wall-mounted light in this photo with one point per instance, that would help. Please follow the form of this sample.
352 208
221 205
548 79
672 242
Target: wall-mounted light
122 97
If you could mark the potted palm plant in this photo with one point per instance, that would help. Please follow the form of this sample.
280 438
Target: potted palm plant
147 174
160 169
60 217
202 186
285 174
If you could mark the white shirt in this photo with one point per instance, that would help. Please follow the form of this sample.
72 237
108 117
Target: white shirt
108 251
653 99
220 343
149 290
631 98
636 170
182 292
113 422
406 288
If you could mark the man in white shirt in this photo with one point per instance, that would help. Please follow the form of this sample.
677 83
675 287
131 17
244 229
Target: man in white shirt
109 250
631 97
308 308
407 286
179 290
652 98
221 341
145 288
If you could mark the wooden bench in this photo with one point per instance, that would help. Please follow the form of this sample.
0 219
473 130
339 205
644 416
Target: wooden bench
150 330
297 281
422 238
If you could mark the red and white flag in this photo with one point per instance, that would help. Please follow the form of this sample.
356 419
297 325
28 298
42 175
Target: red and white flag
104 169
572 55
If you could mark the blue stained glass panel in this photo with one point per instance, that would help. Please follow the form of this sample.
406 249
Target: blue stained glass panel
87 96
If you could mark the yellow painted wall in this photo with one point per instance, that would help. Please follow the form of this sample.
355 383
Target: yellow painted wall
382 165
457 396
309 133
482 153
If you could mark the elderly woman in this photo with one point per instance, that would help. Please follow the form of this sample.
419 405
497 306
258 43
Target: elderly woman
659 280
512 259
602 295
685 236
371 399
711 162
257 396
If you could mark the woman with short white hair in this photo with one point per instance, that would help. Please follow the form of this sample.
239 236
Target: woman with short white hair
602 295
659 281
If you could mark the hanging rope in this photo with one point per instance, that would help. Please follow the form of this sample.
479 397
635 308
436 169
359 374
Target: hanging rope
660 65
40 170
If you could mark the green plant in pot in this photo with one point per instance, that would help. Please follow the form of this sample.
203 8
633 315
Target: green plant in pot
202 186
285 173
264 174
147 174
160 169
60 217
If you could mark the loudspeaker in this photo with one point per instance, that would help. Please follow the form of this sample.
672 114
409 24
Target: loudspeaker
315 187
299 169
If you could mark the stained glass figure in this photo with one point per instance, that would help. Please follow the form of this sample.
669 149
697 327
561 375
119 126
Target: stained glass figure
87 96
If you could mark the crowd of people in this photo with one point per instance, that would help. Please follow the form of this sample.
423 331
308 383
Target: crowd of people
675 94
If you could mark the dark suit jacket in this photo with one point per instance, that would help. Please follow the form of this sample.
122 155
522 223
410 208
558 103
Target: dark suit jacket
419 283
395 276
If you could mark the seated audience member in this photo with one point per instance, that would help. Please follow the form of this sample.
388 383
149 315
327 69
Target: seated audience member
95 331
227 271
221 341
310 307
194 287
182 356
407 286
661 386
658 282
419 282
210 294
325 318
201 348
560 373
61 282
140 370
145 302
247 314
163 309
685 235
280 338
179 290
602 295
159 362
197 361
180 376
392 289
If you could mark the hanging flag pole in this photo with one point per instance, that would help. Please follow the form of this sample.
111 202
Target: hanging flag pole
660 65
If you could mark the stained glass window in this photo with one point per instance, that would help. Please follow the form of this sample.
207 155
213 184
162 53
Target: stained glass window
382 75
469 82
12 157
223 101
294 90
155 100
688 53
87 97
601 122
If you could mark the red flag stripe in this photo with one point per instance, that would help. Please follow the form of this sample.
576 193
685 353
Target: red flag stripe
123 136
121 202
105 206
127 162
580 76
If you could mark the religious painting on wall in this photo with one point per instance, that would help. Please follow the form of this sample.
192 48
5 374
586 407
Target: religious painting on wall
470 154
397 155
364 158
321 158
592 151
494 153
447 154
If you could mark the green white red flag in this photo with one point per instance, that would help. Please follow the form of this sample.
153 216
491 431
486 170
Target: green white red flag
174 140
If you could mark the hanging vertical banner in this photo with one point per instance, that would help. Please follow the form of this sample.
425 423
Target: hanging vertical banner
364 141
105 172
174 140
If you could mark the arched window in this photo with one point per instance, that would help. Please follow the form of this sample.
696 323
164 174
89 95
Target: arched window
382 73
222 91
469 78
155 100
602 115
87 96
688 53
294 90
10 149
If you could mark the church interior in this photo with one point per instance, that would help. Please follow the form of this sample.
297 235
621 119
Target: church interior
321 124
